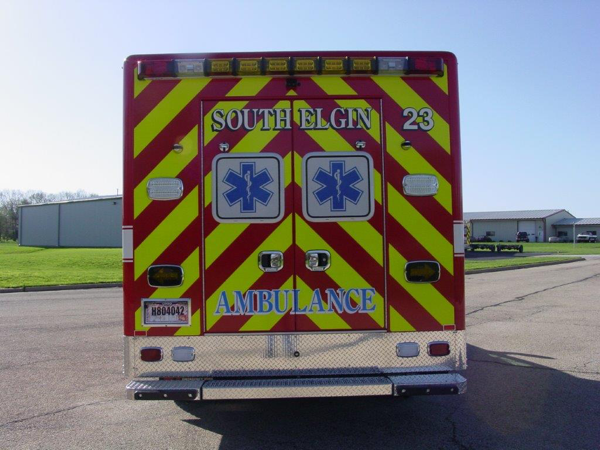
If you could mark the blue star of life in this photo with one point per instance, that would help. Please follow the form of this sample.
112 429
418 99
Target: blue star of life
337 185
247 187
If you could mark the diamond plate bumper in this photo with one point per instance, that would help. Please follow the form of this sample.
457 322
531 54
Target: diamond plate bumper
316 355
404 385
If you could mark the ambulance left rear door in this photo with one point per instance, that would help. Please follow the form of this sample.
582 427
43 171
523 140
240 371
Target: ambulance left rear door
248 261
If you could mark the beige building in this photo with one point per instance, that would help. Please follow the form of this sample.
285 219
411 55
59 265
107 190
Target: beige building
566 227
502 226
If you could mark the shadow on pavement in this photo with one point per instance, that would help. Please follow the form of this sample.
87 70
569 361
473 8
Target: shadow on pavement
510 403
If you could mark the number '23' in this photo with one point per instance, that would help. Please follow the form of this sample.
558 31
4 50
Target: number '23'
425 114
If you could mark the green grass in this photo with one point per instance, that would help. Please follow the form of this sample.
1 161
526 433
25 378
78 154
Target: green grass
561 248
512 262
35 266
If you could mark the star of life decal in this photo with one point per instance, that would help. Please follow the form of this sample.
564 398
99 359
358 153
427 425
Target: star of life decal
338 185
248 187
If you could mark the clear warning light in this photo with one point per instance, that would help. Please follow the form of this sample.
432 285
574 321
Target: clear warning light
421 185
391 66
189 67
164 188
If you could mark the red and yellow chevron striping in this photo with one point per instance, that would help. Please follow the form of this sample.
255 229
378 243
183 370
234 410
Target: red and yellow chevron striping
262 116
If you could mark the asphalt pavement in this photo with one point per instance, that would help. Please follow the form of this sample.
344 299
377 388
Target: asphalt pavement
533 380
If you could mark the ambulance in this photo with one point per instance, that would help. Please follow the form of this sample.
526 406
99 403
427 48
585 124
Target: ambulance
292 225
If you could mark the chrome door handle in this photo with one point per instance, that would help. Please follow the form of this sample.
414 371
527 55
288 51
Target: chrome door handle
318 260
270 261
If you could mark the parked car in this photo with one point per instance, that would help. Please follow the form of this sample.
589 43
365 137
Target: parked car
558 239
482 239
522 236
587 237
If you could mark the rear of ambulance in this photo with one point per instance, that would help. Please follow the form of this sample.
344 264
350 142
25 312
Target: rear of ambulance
292 226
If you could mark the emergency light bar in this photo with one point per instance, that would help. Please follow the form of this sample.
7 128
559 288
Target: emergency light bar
286 66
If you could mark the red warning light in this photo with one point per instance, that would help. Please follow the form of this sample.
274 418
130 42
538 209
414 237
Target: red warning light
425 66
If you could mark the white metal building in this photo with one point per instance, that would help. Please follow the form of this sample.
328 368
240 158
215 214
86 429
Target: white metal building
566 227
94 222
502 226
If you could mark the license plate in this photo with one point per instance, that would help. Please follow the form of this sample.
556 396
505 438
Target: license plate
166 312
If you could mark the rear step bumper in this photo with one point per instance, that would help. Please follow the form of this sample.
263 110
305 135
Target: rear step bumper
396 385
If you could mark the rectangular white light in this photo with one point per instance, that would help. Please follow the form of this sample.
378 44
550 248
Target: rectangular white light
183 354
420 185
164 188
407 349
189 67
392 66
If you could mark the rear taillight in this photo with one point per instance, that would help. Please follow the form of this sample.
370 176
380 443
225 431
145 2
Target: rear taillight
157 69
425 66
439 349
151 354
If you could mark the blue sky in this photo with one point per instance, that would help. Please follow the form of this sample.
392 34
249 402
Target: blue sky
529 82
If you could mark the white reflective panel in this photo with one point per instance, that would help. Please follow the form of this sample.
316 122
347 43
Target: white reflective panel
189 67
392 65
407 349
127 242
164 188
420 185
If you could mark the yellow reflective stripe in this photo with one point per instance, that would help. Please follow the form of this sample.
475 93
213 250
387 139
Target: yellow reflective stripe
375 129
340 271
404 96
367 237
193 329
169 167
413 162
331 140
248 272
207 189
191 273
298 170
138 85
226 106
221 238
377 186
287 169
334 85
165 233
248 87
399 323
264 322
425 233
442 82
291 93
329 321
226 233
165 111
254 141
428 296
138 321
